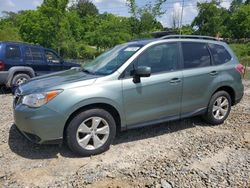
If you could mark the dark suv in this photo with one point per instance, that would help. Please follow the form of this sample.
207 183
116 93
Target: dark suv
21 61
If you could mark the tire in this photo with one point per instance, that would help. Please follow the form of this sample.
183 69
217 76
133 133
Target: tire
19 79
212 115
81 130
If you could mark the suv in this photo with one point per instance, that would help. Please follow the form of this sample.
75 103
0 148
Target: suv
20 61
132 85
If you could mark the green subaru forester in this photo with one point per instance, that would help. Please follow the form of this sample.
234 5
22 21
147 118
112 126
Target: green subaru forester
134 84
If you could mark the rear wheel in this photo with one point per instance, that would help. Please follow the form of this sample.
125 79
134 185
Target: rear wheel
19 79
91 132
219 108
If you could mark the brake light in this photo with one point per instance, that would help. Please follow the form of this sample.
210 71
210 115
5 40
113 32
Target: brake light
240 68
2 65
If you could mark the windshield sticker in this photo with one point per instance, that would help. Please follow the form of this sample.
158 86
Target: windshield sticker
131 49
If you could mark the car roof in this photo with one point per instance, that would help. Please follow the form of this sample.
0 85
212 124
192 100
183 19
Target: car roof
19 43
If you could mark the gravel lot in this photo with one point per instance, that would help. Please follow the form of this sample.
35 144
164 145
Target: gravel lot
187 153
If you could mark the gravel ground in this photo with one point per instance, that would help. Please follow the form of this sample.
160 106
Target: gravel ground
187 153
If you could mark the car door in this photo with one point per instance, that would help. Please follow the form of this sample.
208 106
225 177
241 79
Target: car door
157 97
53 60
198 77
34 58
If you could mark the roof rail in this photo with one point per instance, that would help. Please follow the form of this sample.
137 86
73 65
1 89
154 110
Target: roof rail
190 37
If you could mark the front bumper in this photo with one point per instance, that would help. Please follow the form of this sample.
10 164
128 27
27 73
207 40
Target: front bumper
40 125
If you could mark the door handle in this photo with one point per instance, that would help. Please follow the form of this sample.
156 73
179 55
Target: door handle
175 80
213 73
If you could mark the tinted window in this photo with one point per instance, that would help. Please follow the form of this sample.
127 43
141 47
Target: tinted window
36 54
27 54
13 52
220 54
195 55
160 58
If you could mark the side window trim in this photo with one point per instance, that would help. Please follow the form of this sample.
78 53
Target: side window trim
178 68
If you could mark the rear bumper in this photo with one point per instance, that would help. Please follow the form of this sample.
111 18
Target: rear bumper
3 77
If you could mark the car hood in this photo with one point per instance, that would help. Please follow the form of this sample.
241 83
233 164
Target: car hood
60 80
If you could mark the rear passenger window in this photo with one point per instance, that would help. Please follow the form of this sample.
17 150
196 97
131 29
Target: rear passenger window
36 54
220 54
13 52
195 55
27 54
33 54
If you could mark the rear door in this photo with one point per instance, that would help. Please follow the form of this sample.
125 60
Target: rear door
34 58
198 77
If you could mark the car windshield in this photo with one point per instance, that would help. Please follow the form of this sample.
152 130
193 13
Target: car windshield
111 60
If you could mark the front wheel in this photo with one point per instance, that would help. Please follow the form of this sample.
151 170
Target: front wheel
219 108
91 132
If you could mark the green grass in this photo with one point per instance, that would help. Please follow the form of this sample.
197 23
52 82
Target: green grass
242 51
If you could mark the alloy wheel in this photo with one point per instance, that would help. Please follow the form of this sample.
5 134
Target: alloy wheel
93 133
220 107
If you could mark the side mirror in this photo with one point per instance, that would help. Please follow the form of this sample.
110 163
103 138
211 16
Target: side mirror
142 71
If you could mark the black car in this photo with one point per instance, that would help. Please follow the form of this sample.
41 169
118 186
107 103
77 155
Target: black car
21 61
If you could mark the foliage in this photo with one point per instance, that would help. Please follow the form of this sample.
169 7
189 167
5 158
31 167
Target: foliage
84 8
242 51
240 21
210 19
78 30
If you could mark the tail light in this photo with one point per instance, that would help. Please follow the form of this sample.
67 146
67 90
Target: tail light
2 65
240 68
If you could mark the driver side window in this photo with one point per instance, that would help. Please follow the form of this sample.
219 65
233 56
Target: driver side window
51 57
160 58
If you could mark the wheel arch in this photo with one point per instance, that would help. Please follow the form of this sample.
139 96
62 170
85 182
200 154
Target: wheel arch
19 70
109 108
229 90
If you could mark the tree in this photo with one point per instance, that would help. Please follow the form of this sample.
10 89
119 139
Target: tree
211 19
240 22
144 20
107 30
9 33
84 8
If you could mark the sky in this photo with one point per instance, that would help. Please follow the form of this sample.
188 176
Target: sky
118 7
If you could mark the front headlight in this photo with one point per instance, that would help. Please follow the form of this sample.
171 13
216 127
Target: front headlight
38 99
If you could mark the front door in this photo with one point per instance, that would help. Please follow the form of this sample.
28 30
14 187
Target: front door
156 97
54 61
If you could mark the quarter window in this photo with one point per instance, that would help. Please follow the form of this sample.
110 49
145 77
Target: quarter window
195 55
13 52
160 58
220 54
